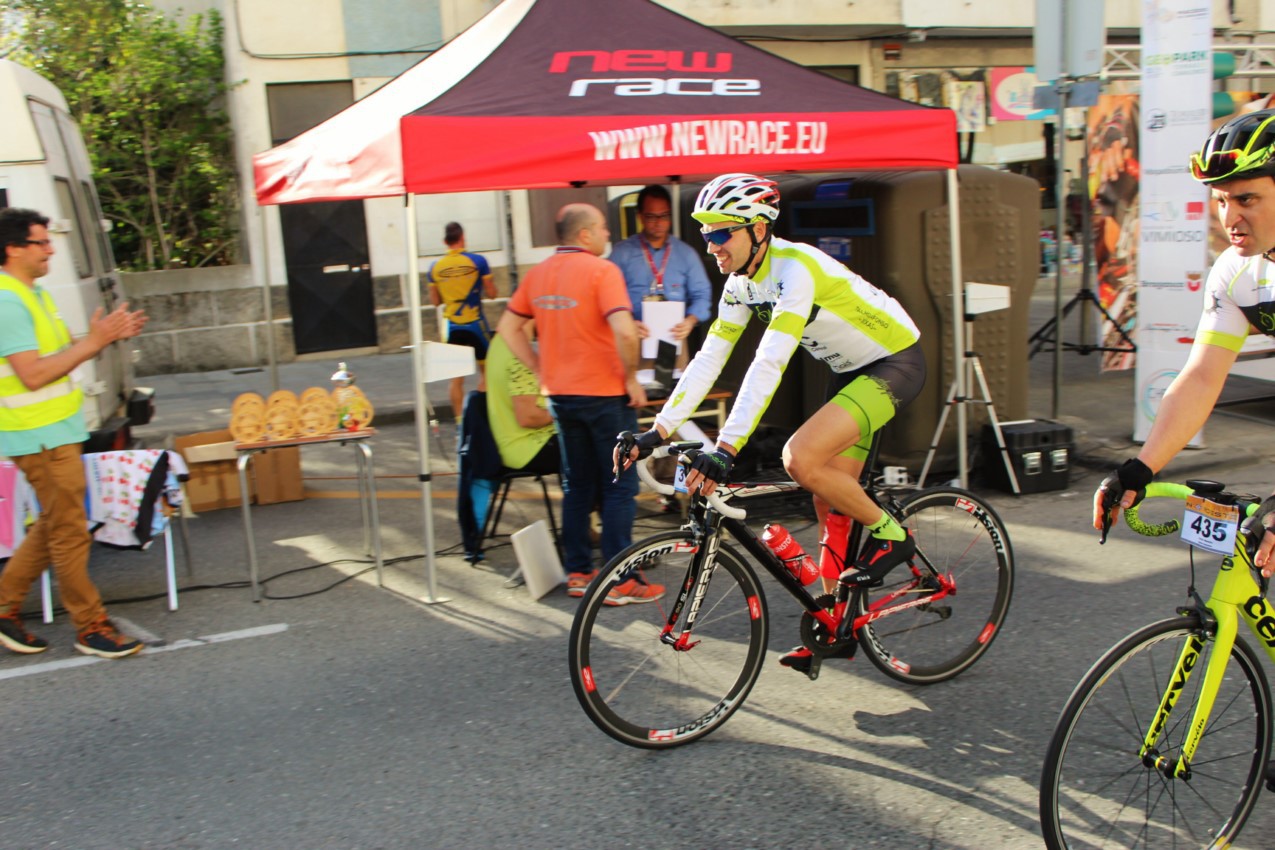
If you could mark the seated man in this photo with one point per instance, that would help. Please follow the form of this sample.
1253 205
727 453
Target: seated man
518 413
505 427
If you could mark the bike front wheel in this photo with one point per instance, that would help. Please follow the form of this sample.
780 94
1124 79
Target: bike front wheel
644 691
1095 789
962 539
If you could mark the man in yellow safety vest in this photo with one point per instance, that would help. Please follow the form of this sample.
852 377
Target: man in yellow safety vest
41 430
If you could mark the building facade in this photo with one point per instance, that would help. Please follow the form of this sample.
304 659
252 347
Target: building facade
336 271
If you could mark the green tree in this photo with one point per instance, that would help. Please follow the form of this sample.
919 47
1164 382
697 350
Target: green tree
148 92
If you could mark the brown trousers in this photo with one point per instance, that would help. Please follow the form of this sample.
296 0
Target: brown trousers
59 538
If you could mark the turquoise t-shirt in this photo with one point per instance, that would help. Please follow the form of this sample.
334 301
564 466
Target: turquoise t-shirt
17 333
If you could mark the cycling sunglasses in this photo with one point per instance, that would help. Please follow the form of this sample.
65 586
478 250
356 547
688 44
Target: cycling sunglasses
1222 164
721 236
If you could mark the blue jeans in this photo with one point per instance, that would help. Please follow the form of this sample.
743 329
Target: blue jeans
587 426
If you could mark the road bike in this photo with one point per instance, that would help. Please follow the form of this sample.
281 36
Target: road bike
1165 741
667 673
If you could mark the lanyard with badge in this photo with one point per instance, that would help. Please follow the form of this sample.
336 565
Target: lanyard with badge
655 292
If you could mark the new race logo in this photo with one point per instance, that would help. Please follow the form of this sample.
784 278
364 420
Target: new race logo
648 62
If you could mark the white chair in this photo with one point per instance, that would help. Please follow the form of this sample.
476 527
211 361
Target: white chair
170 573
165 505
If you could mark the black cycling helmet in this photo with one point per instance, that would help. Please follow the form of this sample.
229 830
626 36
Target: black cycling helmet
1240 149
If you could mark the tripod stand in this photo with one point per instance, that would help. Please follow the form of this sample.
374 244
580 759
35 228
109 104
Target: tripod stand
1047 331
973 372
1045 334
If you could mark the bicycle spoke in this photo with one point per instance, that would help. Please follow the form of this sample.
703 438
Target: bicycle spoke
1097 792
956 536
648 693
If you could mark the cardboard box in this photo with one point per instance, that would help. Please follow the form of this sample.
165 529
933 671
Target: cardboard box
275 475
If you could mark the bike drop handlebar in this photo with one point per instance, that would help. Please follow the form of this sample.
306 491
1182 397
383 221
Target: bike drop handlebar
1163 489
714 499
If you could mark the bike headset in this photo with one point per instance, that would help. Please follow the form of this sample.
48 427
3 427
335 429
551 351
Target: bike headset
743 198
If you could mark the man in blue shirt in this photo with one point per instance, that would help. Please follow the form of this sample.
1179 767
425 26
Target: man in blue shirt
658 266
41 429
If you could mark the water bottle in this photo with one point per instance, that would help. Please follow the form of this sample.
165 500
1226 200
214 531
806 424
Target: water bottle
801 565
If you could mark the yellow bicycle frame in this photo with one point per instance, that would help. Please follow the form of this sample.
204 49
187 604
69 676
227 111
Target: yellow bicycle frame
1235 594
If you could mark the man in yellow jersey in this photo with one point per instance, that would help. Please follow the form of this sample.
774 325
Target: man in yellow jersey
41 430
458 281
806 299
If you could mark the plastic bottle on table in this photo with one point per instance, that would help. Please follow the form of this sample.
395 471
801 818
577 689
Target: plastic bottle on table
801 565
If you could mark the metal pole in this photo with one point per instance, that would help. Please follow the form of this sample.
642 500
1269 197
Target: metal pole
261 271
1086 232
958 320
1064 86
509 235
418 385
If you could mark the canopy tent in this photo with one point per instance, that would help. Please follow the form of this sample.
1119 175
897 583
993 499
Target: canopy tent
562 93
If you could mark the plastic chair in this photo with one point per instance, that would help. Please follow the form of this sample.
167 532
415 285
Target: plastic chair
165 507
496 505
170 573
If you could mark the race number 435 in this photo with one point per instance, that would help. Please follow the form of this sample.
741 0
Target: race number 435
1210 526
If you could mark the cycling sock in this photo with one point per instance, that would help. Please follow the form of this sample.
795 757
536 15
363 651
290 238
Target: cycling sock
886 528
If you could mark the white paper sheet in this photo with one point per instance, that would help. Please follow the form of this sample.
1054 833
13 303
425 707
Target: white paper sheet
659 318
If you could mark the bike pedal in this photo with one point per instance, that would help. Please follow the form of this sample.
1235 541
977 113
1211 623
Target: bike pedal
813 670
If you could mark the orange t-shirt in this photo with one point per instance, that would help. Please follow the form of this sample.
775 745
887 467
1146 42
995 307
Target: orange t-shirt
570 295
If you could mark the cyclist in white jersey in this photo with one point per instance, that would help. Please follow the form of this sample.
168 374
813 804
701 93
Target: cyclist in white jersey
806 299
1238 163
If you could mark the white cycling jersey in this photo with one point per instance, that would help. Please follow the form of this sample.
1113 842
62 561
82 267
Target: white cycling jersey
1240 292
805 298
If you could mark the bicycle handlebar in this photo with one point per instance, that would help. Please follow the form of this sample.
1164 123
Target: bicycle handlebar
1156 490
715 500
1161 489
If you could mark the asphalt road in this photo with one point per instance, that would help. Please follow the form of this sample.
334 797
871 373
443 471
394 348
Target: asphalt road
361 717
340 714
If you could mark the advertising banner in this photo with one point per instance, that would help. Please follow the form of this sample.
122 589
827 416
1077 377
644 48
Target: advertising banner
1177 69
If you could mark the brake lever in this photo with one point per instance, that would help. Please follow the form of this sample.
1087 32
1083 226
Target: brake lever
624 441
1108 505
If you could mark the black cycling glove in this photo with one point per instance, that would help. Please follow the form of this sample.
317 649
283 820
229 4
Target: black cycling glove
1133 475
647 442
1265 513
715 466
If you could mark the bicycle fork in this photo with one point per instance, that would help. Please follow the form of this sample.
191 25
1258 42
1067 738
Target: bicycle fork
1223 639
694 589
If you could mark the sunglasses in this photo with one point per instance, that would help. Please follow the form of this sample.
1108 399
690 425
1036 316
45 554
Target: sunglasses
1222 164
722 236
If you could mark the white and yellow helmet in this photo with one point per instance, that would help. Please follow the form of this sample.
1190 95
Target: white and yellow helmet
737 197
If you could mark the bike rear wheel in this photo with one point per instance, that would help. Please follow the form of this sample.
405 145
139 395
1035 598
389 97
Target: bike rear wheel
644 692
1095 790
956 535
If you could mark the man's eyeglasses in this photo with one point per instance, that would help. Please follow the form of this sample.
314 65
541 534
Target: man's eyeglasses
1222 164
656 216
721 236
43 243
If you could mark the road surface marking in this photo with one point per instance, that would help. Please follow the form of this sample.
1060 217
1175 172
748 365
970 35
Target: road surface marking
185 643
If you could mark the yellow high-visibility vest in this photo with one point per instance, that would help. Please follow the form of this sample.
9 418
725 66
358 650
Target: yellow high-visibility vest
22 409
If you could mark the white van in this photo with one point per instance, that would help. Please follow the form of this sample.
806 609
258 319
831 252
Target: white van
44 166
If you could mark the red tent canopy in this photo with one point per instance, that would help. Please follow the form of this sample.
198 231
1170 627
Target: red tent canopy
556 93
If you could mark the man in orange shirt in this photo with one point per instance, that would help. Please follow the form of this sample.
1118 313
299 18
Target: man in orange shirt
587 366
